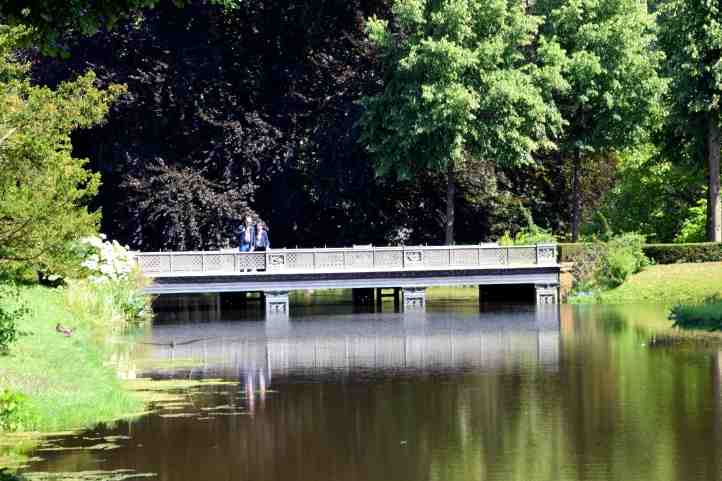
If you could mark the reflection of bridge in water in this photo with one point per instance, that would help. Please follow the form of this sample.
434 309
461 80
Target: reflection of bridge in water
258 353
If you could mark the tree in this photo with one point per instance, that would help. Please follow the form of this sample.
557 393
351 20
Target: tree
186 210
465 81
52 22
260 97
691 36
44 190
612 68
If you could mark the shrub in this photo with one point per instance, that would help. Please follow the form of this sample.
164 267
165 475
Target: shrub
112 289
529 235
623 257
605 264
12 308
694 226
6 475
676 253
707 315
616 268
15 413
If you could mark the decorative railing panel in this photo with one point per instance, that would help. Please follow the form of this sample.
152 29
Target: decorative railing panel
346 259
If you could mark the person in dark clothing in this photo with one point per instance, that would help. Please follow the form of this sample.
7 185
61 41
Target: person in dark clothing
246 234
261 243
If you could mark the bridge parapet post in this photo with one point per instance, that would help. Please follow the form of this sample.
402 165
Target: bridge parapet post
414 299
546 254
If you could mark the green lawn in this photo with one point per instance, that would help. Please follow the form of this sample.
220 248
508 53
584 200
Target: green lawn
68 380
668 284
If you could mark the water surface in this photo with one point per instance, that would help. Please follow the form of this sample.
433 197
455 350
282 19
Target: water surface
526 394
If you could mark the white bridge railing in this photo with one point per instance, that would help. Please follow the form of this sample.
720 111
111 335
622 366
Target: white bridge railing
350 259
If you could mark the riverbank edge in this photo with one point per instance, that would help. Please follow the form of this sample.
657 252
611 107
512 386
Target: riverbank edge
67 382
668 284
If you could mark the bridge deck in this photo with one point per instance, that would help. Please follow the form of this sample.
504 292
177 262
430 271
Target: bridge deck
406 267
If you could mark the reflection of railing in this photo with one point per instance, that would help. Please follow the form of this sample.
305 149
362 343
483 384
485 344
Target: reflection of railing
491 341
347 259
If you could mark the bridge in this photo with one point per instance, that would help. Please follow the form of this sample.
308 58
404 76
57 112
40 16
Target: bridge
406 270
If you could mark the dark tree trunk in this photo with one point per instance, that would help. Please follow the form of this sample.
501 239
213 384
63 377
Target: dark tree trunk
714 209
450 194
576 197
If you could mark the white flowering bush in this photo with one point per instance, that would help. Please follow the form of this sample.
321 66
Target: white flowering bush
113 284
108 261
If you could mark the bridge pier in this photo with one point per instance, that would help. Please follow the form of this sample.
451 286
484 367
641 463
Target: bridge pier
547 293
414 299
277 304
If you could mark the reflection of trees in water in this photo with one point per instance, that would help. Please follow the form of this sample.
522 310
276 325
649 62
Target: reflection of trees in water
641 413
609 409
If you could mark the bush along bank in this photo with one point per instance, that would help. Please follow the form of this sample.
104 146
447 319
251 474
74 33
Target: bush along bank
706 315
54 374
626 270
657 253
600 266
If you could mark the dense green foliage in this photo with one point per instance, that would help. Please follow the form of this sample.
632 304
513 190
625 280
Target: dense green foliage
460 85
650 194
55 21
12 310
605 264
656 253
613 98
289 110
45 189
14 412
623 256
529 234
706 315
678 253
691 37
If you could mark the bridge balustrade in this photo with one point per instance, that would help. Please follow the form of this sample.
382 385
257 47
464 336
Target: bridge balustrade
351 259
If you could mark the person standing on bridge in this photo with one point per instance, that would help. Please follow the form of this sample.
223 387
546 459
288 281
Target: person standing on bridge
246 235
261 243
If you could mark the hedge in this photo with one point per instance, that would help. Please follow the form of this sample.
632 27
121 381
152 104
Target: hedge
658 253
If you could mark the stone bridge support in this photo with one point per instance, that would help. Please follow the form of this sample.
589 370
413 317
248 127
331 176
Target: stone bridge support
414 299
547 294
277 304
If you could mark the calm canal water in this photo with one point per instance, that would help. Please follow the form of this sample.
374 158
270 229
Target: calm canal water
454 394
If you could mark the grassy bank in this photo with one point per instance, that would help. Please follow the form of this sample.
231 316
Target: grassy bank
67 382
668 284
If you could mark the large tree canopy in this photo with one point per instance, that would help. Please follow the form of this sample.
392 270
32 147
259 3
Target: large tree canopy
615 94
54 21
691 36
466 80
44 189
263 106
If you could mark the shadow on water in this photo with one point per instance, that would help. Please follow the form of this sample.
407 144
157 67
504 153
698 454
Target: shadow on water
511 393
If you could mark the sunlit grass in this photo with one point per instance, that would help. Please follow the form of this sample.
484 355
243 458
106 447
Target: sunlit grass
68 380
666 284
